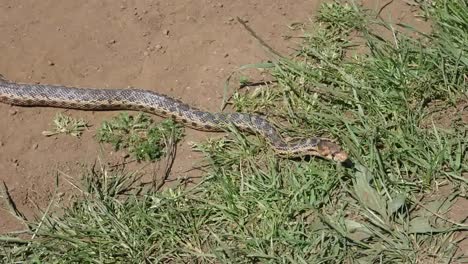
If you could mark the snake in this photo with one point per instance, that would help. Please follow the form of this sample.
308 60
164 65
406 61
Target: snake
133 99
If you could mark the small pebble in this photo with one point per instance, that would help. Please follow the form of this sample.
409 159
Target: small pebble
51 63
35 146
166 32
112 41
2 144
158 47
12 112
191 19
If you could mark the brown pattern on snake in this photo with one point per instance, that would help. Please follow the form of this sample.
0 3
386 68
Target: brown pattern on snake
162 105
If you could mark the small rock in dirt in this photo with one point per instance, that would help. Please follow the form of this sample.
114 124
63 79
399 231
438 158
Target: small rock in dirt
158 47
2 144
229 21
12 112
50 63
35 146
166 32
113 41
191 19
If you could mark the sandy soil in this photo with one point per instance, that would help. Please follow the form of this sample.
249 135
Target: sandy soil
185 49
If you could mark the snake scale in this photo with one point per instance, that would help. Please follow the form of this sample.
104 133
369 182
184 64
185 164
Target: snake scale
151 102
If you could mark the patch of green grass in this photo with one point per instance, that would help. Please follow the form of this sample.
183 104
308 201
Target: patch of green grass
451 21
341 15
64 124
254 207
139 135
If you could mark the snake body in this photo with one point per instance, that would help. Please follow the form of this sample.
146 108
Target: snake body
151 102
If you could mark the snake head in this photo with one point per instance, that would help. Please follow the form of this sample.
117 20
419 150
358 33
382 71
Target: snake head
331 151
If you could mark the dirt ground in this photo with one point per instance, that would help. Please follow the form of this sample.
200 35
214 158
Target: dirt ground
185 49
